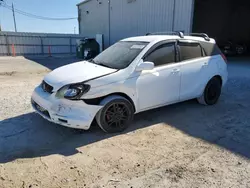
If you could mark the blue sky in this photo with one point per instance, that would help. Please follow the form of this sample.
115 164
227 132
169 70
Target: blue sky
48 8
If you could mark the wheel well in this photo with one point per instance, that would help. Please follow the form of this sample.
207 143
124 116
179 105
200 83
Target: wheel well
219 78
96 101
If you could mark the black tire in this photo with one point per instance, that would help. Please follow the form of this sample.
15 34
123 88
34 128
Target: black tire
211 93
116 115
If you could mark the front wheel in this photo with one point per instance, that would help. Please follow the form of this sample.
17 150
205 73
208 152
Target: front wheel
116 115
211 93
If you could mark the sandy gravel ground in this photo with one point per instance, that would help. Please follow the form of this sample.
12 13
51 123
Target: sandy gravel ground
182 145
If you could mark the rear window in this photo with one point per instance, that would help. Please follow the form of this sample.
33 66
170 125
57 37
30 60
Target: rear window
190 51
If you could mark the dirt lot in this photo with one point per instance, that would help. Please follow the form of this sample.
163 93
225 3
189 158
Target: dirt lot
183 145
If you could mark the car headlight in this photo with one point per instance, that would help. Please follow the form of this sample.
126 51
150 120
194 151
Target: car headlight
74 91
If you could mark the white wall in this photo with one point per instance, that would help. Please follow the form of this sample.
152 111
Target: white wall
95 19
140 17
134 17
184 10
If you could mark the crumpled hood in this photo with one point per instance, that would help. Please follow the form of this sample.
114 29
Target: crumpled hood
75 73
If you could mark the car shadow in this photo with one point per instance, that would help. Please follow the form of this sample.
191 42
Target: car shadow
224 124
30 135
53 62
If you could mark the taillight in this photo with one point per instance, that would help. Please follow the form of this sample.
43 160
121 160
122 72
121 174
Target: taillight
224 57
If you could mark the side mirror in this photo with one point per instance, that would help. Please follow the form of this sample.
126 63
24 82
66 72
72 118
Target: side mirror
145 66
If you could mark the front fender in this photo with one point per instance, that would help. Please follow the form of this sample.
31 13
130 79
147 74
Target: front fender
126 87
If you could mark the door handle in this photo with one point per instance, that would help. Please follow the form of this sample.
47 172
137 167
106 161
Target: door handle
205 64
175 71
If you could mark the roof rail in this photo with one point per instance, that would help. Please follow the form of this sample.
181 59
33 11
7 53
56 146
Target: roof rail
179 33
204 35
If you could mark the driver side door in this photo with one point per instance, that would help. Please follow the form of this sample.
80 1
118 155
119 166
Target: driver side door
160 86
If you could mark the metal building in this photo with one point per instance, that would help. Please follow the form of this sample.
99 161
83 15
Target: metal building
223 20
118 19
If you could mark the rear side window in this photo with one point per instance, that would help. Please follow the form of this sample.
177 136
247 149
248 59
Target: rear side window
210 49
163 54
190 51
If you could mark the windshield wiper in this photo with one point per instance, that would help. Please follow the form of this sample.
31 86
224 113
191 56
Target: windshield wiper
99 63
92 61
104 65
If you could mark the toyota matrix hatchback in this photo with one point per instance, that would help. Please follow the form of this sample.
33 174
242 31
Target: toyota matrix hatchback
134 75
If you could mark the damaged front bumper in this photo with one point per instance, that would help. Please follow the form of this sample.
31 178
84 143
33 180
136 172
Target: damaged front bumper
69 113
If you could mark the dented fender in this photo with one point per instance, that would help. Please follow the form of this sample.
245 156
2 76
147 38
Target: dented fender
114 88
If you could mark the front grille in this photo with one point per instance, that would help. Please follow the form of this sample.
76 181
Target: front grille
46 87
40 109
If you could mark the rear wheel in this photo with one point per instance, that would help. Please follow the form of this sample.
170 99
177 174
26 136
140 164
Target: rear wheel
116 115
211 93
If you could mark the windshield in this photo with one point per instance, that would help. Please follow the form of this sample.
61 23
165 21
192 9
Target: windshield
120 55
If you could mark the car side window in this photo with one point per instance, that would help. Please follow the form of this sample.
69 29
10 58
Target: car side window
163 54
190 51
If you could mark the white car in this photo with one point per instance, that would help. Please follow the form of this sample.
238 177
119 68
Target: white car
134 75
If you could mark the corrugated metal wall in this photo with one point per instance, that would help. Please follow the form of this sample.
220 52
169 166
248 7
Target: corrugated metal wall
184 10
94 19
37 43
140 17
125 18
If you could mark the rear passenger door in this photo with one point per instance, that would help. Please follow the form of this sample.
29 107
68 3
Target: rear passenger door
194 68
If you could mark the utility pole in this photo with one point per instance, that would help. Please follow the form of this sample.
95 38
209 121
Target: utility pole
109 17
0 15
14 17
